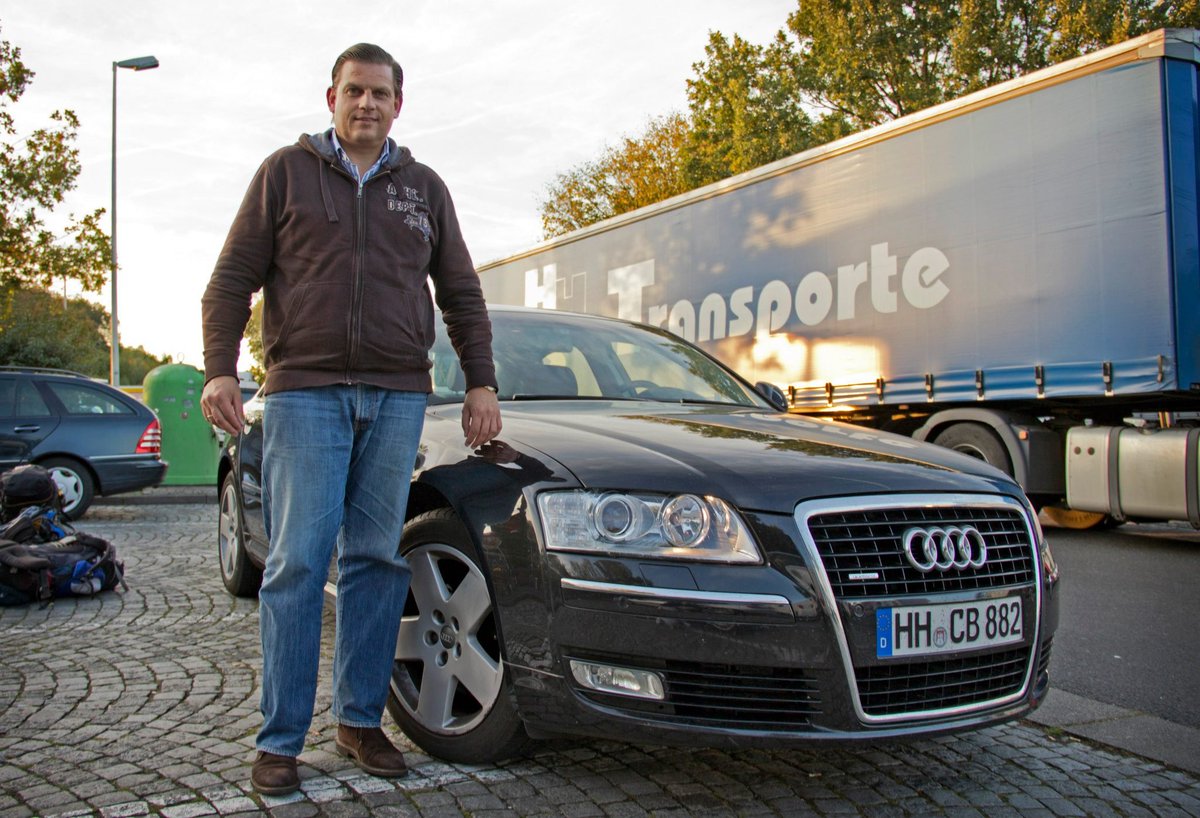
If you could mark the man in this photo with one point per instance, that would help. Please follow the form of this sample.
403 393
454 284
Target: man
341 232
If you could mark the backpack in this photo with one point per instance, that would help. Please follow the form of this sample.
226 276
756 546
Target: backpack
42 558
26 486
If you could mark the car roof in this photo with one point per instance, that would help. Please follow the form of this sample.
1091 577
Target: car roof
44 370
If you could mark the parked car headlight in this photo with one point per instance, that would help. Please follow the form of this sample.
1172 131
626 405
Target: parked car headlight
679 526
1049 565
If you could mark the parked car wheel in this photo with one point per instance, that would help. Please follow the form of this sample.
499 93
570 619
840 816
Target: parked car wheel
450 692
75 482
240 575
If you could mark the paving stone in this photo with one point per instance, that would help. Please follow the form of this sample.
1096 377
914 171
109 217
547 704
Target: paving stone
167 729
192 809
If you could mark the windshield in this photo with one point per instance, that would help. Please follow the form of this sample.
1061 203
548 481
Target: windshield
547 355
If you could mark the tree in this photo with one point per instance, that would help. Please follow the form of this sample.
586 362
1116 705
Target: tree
638 172
38 329
35 176
253 335
136 363
743 109
875 60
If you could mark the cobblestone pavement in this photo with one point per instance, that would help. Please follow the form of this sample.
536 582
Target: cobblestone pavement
145 703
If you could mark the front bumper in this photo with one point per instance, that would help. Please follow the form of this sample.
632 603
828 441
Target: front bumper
767 654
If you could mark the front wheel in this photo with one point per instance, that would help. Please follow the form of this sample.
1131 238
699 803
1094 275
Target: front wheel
450 692
240 576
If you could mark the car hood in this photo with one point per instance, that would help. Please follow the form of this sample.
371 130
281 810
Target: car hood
758 460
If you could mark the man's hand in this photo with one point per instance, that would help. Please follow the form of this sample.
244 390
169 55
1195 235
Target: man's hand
221 403
480 417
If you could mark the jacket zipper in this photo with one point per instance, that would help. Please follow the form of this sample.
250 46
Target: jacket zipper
360 248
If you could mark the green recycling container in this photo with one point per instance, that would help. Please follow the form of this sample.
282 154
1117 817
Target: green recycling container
189 442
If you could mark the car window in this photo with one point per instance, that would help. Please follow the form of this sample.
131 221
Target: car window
544 356
573 359
20 398
646 364
81 399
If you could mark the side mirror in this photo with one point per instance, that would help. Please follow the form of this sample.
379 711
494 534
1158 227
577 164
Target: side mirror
773 395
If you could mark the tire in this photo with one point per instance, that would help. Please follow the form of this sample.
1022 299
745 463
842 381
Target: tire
450 691
75 482
240 576
978 441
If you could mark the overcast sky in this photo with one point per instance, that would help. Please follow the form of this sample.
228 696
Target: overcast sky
499 97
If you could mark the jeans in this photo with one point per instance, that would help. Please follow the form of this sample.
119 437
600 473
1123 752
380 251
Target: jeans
337 463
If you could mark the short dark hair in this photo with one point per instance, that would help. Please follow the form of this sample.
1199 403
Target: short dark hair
372 55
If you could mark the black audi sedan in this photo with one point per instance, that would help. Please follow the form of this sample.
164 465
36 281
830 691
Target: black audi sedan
655 551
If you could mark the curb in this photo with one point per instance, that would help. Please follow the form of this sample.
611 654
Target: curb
1131 731
163 495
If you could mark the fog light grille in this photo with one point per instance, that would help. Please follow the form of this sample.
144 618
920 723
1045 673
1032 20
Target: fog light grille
723 696
909 687
1044 658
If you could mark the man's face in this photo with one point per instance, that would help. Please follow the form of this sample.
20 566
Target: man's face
364 105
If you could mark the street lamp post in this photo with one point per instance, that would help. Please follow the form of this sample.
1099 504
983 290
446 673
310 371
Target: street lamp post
137 64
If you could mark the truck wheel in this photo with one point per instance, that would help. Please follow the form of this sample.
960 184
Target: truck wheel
978 441
450 691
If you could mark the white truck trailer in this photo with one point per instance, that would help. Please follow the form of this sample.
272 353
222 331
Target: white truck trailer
1014 274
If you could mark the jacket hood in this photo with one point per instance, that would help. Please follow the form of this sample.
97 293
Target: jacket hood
757 460
322 145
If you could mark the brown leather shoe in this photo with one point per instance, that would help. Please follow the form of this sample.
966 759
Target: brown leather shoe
370 749
274 775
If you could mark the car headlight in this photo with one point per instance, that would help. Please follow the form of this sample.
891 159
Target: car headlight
1049 566
679 526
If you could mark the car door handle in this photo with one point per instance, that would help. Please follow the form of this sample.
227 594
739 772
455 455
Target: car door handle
26 428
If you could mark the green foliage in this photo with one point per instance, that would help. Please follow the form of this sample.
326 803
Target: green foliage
136 363
253 335
1080 26
836 67
37 329
35 176
872 60
638 172
744 112
875 60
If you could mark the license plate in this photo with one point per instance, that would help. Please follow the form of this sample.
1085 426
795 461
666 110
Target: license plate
920 630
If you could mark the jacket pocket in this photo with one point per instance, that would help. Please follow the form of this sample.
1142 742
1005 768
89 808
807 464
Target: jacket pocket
316 328
397 329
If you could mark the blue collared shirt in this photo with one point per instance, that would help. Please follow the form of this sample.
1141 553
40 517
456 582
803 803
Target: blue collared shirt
352 168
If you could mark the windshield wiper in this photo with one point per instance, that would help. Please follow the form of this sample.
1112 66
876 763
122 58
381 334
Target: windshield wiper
523 396
703 402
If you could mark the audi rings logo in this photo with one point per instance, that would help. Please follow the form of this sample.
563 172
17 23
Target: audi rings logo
944 548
